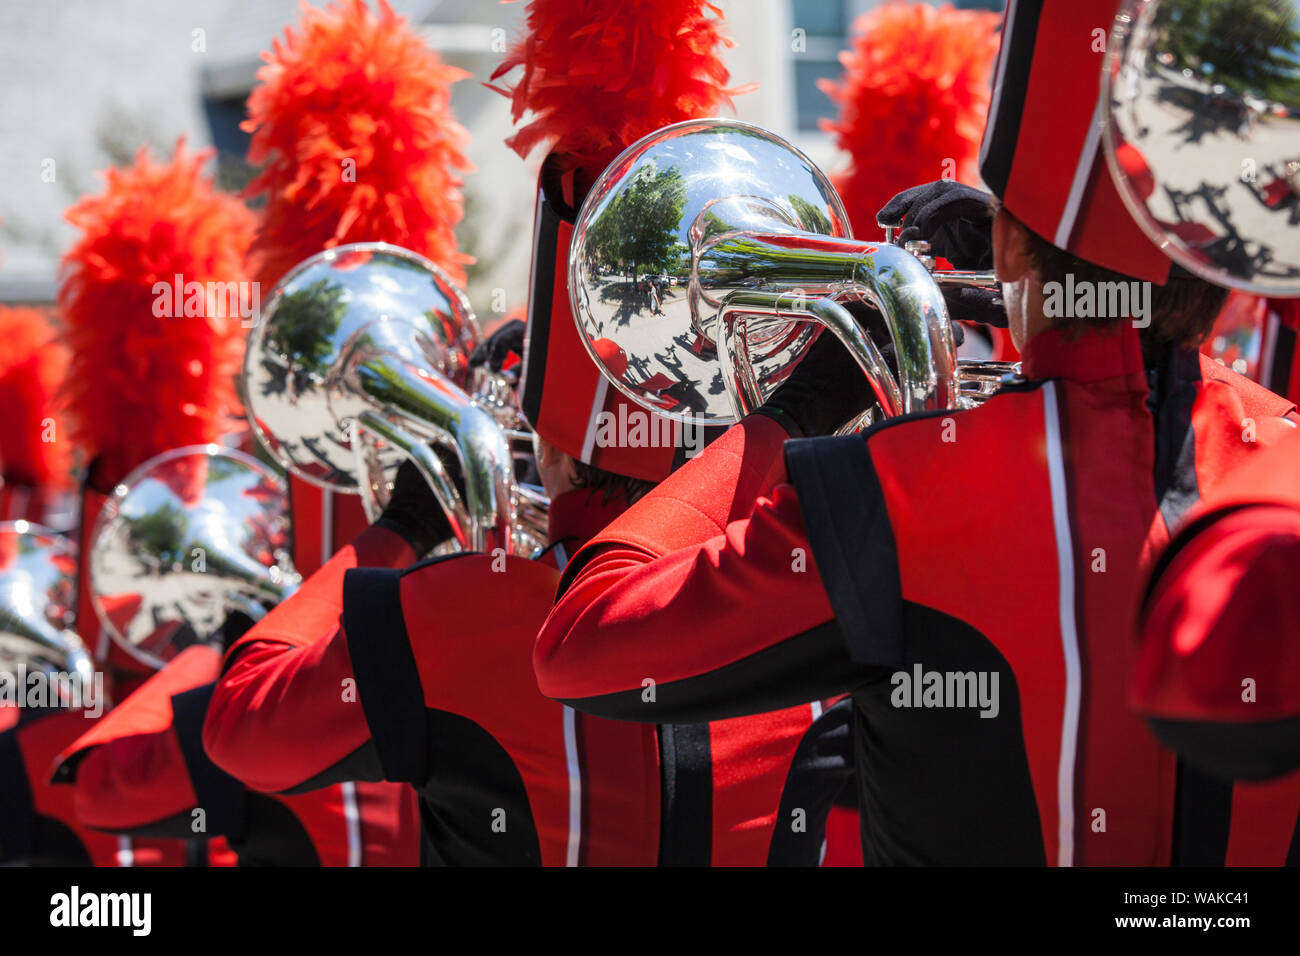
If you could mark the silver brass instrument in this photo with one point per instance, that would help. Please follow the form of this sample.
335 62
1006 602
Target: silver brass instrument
1202 135
38 591
187 538
361 360
753 250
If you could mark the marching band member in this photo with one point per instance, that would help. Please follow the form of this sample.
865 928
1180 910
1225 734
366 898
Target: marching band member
906 603
727 783
165 225
141 770
136 384
38 822
448 700
1218 675
354 139
439 656
35 460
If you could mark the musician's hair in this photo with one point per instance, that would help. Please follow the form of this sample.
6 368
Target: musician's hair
1183 310
609 483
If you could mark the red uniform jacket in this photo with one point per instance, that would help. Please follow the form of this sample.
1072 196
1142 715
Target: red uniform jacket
142 771
1219 670
991 720
1278 368
429 680
38 822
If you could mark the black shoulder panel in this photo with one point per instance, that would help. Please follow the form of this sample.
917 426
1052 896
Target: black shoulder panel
822 766
848 527
385 669
474 808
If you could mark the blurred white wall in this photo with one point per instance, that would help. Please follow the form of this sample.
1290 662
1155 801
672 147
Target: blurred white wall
85 82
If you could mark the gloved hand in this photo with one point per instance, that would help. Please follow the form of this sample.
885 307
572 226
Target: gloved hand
828 388
956 220
497 347
235 626
825 390
413 510
972 304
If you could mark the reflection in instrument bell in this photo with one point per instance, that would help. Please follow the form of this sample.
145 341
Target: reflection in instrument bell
1203 135
706 256
360 361
38 589
188 538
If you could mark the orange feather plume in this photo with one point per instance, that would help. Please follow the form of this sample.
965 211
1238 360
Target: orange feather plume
149 369
913 101
33 447
600 74
353 121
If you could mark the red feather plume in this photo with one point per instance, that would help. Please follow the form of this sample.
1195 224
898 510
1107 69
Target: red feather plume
353 122
600 74
913 101
31 369
142 378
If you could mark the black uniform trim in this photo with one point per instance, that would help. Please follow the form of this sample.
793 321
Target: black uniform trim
1174 385
821 769
385 669
17 814
1259 750
540 295
999 147
854 546
911 761
1284 346
1202 818
274 836
360 765
686 782
474 808
810 666
219 794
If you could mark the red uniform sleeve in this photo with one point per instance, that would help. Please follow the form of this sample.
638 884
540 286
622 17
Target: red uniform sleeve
130 769
1218 674
709 616
285 713
38 822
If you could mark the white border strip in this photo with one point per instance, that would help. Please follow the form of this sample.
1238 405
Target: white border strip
597 406
1082 173
575 786
1069 632
352 816
326 525
1268 345
1004 54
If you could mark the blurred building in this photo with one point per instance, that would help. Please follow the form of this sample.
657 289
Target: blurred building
84 83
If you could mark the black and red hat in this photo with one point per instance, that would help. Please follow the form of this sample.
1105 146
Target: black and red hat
1042 150
597 76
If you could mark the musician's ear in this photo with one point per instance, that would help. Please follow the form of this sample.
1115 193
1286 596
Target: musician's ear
555 468
1012 257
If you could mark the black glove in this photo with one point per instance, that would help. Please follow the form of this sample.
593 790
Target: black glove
972 304
497 347
825 390
828 388
956 220
235 626
413 510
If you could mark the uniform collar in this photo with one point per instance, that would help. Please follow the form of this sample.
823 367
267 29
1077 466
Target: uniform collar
577 516
1085 356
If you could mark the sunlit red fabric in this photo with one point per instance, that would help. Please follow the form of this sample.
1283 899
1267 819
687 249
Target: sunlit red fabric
352 119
